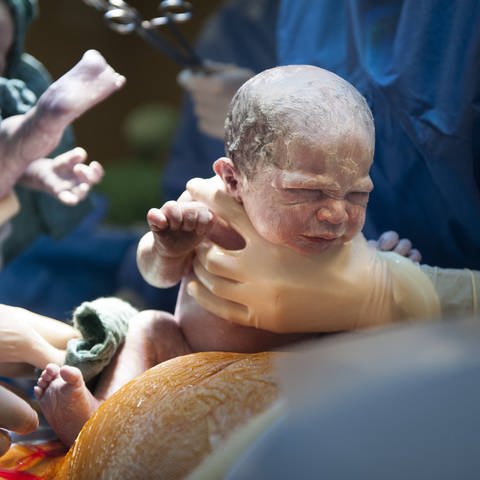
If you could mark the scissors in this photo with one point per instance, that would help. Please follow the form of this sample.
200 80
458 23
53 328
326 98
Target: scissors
124 19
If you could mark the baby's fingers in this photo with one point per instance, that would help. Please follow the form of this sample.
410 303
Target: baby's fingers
67 197
91 174
174 215
74 195
71 157
197 219
157 221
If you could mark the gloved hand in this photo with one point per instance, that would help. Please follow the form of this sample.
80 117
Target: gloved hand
212 92
275 288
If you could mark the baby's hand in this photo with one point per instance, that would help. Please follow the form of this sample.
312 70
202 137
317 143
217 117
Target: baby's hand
67 177
391 242
178 227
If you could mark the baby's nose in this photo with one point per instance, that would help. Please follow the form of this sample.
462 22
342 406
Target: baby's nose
332 211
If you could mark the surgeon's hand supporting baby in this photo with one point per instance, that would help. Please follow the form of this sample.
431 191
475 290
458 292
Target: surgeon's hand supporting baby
346 287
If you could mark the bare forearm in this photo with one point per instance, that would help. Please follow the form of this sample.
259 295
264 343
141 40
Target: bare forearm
156 267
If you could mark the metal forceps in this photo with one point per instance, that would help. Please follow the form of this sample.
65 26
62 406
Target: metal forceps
124 19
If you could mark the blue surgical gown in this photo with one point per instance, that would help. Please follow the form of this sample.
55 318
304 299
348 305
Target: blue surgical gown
418 65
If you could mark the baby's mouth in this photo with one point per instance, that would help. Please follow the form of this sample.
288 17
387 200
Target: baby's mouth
321 238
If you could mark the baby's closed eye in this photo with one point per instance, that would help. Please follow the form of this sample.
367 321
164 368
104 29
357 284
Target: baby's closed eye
358 198
302 194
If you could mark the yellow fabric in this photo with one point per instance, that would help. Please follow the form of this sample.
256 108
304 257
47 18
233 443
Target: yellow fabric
40 460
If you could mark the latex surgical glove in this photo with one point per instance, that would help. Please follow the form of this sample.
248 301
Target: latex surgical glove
391 242
66 177
278 289
211 93
26 337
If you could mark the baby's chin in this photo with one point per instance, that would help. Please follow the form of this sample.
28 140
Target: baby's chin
317 245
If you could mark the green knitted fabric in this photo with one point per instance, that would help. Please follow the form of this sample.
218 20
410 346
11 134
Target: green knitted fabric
103 324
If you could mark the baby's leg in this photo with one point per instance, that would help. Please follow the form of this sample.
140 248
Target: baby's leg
89 82
66 402
153 337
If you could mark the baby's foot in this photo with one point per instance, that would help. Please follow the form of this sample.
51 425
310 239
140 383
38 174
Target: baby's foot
89 82
65 400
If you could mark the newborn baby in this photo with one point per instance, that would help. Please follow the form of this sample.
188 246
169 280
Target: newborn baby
300 144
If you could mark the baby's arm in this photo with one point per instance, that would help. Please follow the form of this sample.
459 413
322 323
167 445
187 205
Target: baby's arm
164 254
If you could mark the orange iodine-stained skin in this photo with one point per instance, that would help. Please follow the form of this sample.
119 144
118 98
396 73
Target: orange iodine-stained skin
163 423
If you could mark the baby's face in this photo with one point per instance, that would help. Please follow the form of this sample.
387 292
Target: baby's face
6 36
318 200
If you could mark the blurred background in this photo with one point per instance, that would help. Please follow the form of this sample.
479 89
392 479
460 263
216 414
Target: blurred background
130 132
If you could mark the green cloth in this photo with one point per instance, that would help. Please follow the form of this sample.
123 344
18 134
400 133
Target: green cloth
103 324
25 80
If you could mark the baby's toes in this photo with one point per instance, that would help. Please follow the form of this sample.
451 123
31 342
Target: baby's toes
50 373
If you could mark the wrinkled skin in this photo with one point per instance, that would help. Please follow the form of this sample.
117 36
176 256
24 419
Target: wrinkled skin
32 136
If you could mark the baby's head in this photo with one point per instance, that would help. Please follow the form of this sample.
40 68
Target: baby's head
300 142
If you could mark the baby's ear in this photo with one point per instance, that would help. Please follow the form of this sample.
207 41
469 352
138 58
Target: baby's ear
227 171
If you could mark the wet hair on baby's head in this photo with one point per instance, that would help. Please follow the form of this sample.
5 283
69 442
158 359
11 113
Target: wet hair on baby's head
293 101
